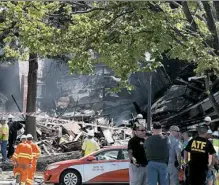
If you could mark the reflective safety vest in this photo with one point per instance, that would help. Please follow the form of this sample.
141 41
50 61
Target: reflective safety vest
23 155
35 151
4 132
89 146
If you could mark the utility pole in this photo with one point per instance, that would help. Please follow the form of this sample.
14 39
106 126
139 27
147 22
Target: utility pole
149 118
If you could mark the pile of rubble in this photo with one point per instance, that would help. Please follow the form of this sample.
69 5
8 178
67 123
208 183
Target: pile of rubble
61 139
57 136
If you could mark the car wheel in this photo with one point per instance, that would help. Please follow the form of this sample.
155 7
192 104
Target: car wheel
70 177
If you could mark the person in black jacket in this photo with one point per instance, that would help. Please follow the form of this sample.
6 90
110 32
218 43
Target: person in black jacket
199 148
14 127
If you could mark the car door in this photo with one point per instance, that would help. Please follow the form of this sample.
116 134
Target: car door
102 169
123 166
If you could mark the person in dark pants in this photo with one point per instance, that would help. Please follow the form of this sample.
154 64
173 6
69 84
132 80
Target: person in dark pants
14 127
138 161
10 120
200 148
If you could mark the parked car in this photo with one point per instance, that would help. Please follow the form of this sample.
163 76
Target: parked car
108 165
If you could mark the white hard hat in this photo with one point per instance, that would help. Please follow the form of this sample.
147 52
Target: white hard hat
10 117
215 133
90 133
23 137
139 116
207 119
3 119
29 136
209 131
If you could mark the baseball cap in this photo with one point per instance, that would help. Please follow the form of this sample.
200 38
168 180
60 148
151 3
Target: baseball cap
174 128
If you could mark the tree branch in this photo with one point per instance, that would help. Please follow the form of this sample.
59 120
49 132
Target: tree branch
216 7
211 25
189 17
211 94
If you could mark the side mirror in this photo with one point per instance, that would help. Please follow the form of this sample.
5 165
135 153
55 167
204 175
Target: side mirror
91 158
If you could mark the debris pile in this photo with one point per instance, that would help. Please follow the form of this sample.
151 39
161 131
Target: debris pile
57 136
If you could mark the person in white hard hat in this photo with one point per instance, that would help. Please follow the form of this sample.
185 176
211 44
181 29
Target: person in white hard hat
207 120
10 120
89 145
139 116
140 119
209 134
4 134
36 154
22 159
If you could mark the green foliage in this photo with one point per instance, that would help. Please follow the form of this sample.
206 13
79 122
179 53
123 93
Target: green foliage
115 33
26 27
123 31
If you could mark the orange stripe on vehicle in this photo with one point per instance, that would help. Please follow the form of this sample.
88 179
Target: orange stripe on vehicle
112 176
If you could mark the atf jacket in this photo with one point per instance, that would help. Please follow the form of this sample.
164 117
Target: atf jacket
35 151
23 155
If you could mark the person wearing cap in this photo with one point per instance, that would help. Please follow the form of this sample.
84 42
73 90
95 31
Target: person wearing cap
4 133
13 131
137 156
211 172
89 145
10 120
216 147
36 154
207 120
174 163
139 119
157 153
199 148
22 160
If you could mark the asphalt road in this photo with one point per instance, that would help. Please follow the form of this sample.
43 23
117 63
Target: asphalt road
6 178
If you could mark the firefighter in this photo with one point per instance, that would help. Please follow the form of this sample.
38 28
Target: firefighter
36 155
22 160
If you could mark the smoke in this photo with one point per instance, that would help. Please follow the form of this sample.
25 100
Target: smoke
10 85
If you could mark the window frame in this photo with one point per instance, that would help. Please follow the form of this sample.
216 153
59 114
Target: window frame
105 151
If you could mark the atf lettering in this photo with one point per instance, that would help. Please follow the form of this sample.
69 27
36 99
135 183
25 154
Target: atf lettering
203 145
198 146
194 144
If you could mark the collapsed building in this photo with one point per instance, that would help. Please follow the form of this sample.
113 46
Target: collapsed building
79 103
